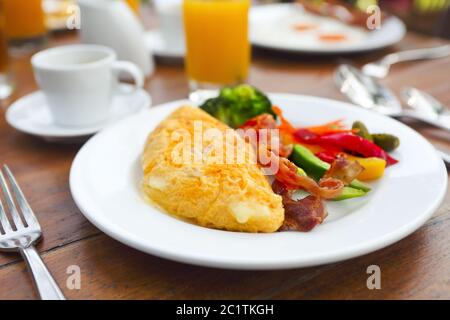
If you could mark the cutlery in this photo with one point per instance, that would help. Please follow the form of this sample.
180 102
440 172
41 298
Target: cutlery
21 235
428 105
366 92
424 103
380 68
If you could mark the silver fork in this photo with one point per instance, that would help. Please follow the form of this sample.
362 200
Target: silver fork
380 68
22 235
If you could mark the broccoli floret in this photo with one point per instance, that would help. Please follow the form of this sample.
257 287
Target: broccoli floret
217 108
235 105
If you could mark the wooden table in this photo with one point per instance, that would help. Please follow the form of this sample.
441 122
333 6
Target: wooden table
415 268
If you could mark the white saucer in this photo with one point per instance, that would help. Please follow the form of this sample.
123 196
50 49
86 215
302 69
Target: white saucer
156 43
30 114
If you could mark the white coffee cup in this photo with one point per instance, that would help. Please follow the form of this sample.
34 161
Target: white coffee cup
170 18
79 82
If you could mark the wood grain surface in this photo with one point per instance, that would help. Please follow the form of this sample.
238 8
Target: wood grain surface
418 267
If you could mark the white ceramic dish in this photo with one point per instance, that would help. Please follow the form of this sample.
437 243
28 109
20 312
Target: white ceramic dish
30 114
156 43
105 176
272 27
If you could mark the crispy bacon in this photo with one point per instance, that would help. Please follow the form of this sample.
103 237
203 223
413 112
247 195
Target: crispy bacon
300 215
263 121
286 172
327 188
344 170
267 121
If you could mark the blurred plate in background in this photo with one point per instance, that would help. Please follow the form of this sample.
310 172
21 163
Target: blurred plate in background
288 27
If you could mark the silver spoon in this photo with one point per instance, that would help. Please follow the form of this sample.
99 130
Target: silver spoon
380 68
424 103
366 92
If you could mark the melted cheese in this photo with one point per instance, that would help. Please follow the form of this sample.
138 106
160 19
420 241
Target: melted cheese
156 182
243 211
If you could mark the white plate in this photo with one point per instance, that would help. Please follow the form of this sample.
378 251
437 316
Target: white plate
271 26
30 114
105 176
156 44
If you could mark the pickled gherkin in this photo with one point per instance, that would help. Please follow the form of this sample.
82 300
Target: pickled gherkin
386 141
362 130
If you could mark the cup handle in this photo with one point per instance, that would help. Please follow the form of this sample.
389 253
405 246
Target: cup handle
132 69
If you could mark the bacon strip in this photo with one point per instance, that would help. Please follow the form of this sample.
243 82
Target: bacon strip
300 215
263 121
267 121
344 170
327 188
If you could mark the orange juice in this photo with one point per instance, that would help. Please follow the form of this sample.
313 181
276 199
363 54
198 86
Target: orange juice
134 4
218 49
24 19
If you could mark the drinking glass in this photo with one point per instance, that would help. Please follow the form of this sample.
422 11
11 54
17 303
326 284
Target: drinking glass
218 49
6 86
134 5
24 22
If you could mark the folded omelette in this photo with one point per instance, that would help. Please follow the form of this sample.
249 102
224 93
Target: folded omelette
183 176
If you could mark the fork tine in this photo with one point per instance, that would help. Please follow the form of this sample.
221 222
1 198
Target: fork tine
10 202
28 214
4 220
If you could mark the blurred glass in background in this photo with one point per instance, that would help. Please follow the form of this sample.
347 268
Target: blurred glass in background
426 16
135 5
24 21
218 48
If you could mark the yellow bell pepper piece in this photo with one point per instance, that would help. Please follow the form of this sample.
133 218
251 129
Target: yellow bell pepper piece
373 167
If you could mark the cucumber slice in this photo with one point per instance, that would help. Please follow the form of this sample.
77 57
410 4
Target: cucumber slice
350 193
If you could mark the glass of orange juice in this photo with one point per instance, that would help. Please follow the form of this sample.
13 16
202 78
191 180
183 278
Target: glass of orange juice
24 21
134 5
6 87
218 49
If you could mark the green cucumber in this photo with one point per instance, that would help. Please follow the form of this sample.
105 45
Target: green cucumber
356 184
349 193
304 158
314 167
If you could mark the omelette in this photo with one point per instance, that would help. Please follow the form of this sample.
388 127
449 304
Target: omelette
193 179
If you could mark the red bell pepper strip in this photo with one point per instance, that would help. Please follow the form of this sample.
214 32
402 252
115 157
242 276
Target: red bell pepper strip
308 137
348 142
305 135
327 155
